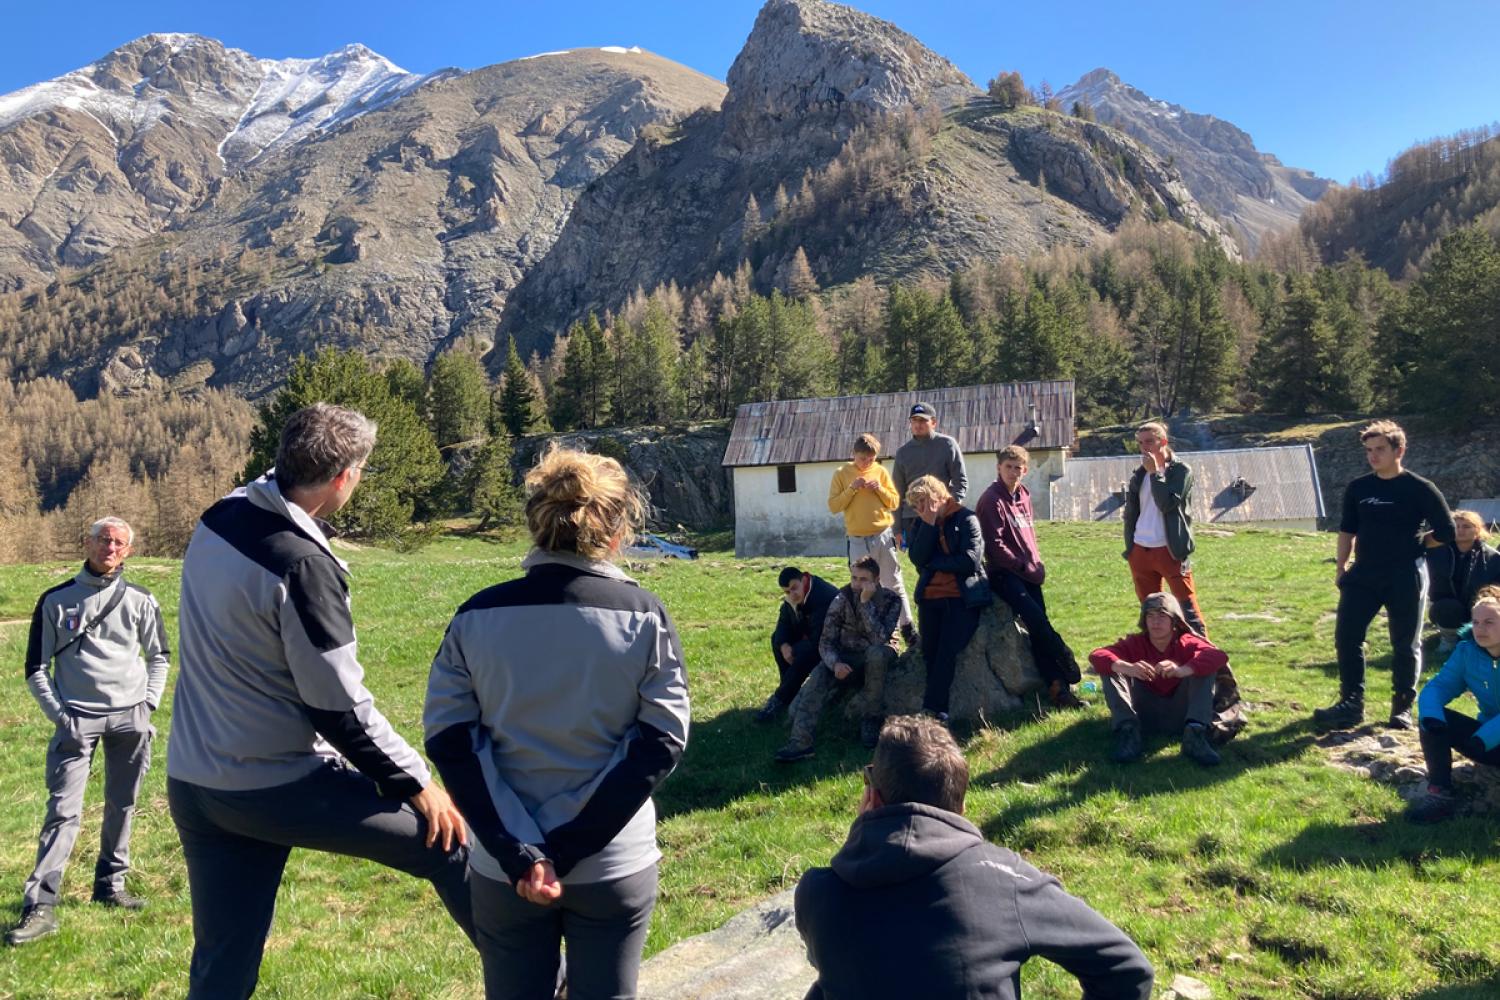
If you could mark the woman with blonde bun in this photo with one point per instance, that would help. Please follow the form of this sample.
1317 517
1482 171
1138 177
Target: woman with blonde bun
556 704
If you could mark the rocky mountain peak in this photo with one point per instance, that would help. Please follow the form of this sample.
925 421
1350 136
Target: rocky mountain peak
1096 78
804 54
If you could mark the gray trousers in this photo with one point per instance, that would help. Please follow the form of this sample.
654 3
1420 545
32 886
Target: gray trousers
237 843
870 667
127 754
603 923
883 548
1131 700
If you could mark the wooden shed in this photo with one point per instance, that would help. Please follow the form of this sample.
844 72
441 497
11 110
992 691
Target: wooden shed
783 454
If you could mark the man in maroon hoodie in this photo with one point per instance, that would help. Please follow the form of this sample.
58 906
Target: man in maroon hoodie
1016 571
1161 679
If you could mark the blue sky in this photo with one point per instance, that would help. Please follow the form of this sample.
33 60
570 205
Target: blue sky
1338 87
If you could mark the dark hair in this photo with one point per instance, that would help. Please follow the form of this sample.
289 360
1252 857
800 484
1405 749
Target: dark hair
320 441
869 564
1015 452
788 574
917 760
867 444
1388 429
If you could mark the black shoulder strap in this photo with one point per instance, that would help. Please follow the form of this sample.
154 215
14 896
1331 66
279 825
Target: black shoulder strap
114 602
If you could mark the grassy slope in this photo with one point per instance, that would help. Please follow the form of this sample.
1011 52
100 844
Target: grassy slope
1272 876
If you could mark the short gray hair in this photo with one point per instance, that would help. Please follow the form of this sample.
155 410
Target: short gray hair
98 527
320 441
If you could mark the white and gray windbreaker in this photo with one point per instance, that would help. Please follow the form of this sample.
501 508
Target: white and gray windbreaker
556 704
269 685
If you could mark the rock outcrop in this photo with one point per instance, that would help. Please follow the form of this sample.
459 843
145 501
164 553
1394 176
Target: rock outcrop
995 673
1251 192
756 955
889 162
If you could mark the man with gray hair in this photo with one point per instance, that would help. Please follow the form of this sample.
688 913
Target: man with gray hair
96 662
276 743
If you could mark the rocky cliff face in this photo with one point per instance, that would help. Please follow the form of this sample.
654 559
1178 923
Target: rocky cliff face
109 154
1251 192
889 160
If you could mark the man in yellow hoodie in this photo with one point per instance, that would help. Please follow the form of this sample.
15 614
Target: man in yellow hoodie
863 492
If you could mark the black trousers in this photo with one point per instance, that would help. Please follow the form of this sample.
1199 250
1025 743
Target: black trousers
236 845
794 673
1449 612
1361 596
1438 748
1053 659
946 626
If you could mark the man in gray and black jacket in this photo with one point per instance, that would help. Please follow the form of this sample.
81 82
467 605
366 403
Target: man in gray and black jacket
276 743
96 662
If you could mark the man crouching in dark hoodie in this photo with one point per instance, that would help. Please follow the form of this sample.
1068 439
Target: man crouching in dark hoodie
918 904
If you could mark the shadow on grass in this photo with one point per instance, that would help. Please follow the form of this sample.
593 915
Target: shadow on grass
1375 844
730 756
1486 989
1082 752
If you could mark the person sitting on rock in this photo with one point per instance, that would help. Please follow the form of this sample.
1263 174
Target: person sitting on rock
794 643
1161 679
1016 571
1474 667
948 551
858 647
917 903
1455 572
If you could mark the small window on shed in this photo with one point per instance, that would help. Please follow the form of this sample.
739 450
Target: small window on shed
786 479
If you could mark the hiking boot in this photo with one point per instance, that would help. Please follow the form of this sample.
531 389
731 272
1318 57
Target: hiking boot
794 752
1062 696
869 731
1401 710
1346 713
123 898
1128 746
1196 748
1434 807
38 921
773 707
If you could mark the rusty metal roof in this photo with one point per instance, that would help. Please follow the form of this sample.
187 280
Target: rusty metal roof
980 417
1235 485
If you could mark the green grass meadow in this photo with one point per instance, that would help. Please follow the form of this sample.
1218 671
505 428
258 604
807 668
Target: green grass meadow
1272 876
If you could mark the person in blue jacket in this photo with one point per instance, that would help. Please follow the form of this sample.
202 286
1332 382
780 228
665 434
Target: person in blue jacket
1475 667
947 548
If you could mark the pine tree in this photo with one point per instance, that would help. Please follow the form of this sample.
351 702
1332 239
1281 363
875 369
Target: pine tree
797 279
490 486
518 396
459 395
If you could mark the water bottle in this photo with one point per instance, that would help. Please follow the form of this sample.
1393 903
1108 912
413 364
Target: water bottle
1089 686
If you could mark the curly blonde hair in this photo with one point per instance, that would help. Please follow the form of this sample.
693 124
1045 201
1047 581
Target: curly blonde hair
581 503
927 487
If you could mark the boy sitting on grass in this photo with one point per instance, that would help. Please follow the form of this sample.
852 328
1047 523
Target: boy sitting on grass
1474 666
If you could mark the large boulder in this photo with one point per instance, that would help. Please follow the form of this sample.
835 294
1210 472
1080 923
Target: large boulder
995 672
757 955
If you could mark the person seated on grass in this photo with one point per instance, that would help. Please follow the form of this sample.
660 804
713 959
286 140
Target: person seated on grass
918 904
1455 572
1475 667
948 551
1161 679
794 643
858 647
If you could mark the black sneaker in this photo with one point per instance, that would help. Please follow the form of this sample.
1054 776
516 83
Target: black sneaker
1128 746
1062 696
123 898
1401 711
1434 807
1346 713
1196 748
869 731
770 710
38 921
791 753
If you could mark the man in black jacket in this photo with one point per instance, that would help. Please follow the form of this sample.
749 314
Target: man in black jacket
918 904
794 643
